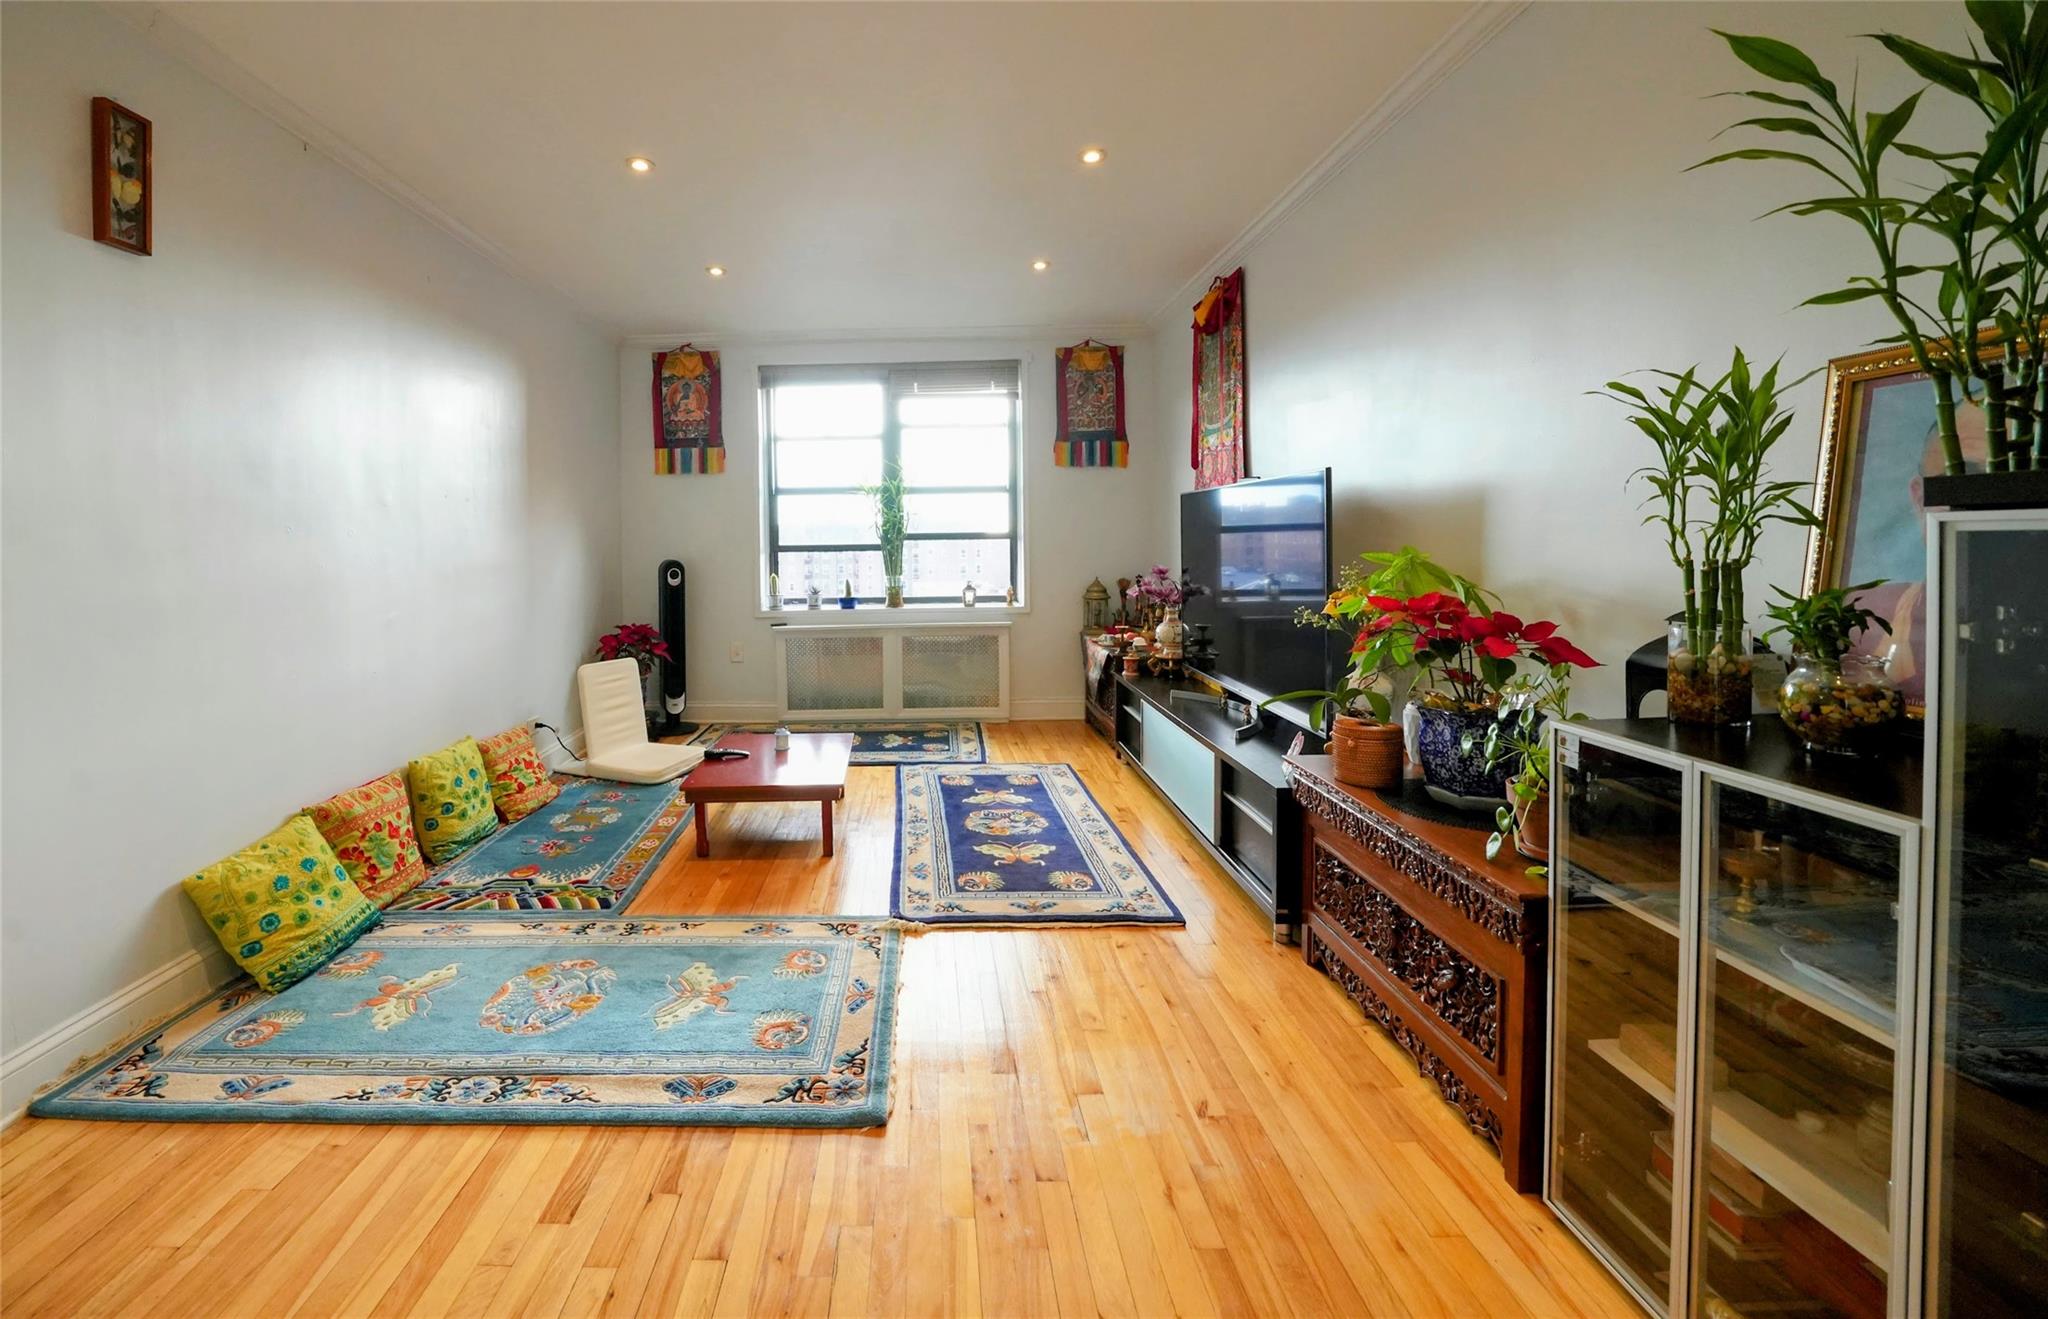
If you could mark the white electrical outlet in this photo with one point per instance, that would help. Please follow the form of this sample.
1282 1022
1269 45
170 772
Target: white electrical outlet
734 654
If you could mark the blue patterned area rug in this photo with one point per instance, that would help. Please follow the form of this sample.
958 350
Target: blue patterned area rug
739 1021
897 743
588 850
1015 845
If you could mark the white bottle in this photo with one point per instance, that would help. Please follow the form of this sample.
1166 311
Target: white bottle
781 739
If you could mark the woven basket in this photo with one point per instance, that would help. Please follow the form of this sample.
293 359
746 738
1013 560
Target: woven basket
1367 755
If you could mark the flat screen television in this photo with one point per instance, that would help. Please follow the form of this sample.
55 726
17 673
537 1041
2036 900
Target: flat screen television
1262 551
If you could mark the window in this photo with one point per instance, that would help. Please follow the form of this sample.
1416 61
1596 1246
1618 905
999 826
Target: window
950 427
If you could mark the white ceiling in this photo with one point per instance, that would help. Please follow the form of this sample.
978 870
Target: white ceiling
870 166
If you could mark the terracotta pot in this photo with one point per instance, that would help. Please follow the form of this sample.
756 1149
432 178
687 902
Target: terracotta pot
1368 755
1532 827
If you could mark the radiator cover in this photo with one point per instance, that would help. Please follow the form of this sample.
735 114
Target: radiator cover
874 669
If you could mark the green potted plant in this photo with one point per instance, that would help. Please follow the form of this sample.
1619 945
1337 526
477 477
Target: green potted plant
1518 738
1452 646
1710 493
1832 700
1969 304
1365 745
887 497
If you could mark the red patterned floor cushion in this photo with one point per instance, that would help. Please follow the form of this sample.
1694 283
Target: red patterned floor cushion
520 784
370 830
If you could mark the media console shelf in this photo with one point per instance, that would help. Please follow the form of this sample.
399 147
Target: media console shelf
1233 794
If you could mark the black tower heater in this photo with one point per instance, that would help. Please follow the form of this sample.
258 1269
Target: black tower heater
673 682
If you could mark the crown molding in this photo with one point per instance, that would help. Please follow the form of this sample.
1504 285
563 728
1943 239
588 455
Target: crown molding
915 334
1480 24
162 27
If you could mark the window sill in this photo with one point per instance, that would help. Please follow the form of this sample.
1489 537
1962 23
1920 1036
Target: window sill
882 616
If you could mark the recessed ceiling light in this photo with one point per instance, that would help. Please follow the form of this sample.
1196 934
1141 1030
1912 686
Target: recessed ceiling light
716 272
1041 264
639 164
1092 156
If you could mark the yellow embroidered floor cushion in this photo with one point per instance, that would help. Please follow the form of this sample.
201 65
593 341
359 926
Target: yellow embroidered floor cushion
281 906
451 801
370 830
520 784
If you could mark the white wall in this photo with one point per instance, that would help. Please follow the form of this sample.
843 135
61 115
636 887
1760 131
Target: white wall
1079 522
313 489
1427 323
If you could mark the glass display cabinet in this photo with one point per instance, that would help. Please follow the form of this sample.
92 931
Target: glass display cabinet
1984 1188
1732 965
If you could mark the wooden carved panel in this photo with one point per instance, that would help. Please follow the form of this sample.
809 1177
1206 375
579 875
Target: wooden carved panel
1475 895
1461 994
1478 1114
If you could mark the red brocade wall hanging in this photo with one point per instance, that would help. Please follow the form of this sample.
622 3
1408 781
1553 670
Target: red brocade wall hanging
689 438
1091 407
1221 422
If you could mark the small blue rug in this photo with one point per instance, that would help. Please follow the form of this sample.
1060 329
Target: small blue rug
900 742
1015 845
743 1021
588 850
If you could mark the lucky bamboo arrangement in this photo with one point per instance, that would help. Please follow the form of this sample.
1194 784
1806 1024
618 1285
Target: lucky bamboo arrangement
1709 488
1970 319
887 497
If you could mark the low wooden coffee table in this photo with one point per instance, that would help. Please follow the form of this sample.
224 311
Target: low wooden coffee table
813 769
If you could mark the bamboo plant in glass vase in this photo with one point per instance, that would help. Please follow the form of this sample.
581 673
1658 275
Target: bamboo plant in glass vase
1711 495
887 497
1831 700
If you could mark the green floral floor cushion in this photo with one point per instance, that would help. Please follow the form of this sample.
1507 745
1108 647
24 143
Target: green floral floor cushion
282 906
452 807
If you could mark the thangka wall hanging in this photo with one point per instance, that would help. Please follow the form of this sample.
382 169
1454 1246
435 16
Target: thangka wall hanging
689 438
1221 422
1091 407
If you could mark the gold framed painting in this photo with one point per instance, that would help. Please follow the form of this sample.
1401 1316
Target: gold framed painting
1878 444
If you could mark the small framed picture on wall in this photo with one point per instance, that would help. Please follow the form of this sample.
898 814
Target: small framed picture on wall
122 197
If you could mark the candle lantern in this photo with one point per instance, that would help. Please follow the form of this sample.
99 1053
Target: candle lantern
1096 615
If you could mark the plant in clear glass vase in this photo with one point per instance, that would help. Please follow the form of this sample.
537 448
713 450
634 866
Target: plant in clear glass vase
887 497
1832 701
1710 494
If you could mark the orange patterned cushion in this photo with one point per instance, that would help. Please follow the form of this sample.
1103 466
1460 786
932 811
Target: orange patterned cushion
370 830
520 784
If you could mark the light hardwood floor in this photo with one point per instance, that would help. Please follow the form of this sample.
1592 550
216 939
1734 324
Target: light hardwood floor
1112 1121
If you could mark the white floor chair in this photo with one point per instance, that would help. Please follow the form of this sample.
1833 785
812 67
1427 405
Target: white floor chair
615 744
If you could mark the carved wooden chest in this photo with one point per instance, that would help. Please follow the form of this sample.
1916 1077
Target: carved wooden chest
1441 947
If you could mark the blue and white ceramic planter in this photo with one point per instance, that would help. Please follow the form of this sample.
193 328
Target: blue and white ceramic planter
1452 774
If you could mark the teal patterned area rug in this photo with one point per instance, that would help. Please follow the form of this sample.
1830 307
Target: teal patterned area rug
738 1021
1014 845
901 742
589 850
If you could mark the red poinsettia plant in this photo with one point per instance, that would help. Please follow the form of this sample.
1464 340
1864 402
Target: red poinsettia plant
1464 653
634 641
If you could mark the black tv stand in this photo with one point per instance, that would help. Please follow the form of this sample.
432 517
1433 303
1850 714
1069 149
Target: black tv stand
1226 780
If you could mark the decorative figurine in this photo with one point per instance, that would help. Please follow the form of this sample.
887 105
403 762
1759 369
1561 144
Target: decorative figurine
967 596
1010 596
1095 611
